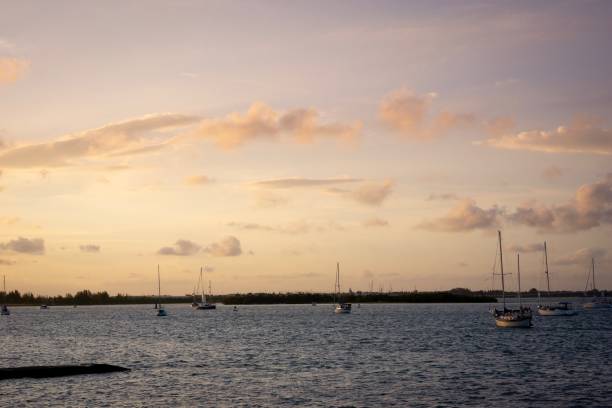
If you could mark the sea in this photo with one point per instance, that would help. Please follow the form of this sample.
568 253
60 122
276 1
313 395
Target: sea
381 355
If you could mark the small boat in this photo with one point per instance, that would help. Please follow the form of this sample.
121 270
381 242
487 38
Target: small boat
507 317
598 302
341 307
4 310
203 304
559 309
44 307
235 308
160 309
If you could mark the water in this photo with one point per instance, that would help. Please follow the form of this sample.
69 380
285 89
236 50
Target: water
303 355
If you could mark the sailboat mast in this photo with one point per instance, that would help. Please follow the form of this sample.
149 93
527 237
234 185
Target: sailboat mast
518 271
202 285
593 269
158 286
501 264
546 269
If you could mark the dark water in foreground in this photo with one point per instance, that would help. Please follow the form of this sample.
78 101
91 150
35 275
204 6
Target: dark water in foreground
302 355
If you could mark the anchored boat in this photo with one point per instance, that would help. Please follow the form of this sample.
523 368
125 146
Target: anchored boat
4 310
160 309
559 309
341 307
507 317
203 304
598 302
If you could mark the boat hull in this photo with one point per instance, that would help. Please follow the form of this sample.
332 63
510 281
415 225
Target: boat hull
556 312
523 323
592 305
206 307
342 311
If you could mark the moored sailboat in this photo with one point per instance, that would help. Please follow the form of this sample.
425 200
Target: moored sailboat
341 307
598 302
160 309
4 310
507 317
559 309
203 304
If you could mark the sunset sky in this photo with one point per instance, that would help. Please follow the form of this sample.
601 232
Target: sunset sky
269 140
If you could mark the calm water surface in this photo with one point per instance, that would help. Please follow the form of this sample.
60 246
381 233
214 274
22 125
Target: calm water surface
303 355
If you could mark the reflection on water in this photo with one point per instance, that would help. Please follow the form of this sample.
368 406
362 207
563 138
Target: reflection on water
417 355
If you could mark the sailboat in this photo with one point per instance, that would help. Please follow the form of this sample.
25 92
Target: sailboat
506 317
561 308
160 309
4 310
598 302
203 304
341 307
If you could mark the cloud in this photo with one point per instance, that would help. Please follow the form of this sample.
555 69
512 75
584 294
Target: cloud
300 182
581 136
228 246
261 122
408 114
11 69
375 222
442 197
535 247
34 246
292 228
198 180
590 207
267 199
372 193
6 262
182 247
552 173
581 257
132 136
90 248
466 216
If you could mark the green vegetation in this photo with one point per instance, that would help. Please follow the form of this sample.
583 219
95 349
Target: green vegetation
86 297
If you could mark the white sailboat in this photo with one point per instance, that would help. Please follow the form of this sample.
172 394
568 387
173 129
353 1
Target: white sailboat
598 302
203 304
4 310
559 309
341 307
506 317
160 309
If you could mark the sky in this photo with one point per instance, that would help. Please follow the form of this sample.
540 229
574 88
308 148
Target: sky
267 140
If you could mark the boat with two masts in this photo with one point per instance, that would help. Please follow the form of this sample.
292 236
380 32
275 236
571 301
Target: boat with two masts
508 317
597 302
203 304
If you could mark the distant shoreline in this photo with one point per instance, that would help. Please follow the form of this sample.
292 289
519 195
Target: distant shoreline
458 295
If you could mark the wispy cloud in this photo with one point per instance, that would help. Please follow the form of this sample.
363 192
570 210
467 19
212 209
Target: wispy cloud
375 222
91 248
131 136
182 247
590 207
261 122
466 216
11 69
300 182
581 136
442 197
34 246
408 114
581 257
198 180
228 246
534 247
6 262
552 173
